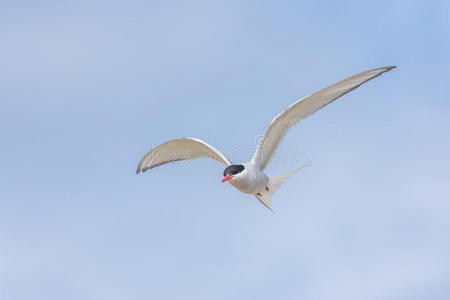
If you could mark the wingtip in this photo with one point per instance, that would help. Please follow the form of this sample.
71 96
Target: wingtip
388 68
140 169
384 69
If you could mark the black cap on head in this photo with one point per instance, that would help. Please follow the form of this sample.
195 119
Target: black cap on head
233 170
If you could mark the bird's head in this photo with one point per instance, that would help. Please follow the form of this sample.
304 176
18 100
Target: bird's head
232 172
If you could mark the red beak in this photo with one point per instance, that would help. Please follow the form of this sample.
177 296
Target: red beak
226 178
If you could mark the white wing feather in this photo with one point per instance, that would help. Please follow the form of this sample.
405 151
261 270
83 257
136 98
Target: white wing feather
180 149
304 108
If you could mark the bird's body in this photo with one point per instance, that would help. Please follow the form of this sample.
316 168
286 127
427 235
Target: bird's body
252 179
249 177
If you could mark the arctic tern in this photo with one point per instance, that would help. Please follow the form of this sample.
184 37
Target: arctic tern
249 177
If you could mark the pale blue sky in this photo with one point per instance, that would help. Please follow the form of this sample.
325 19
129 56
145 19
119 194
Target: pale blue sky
87 87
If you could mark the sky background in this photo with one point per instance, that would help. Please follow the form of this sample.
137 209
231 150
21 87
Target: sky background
88 87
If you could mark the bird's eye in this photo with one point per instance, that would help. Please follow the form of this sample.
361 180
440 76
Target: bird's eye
238 169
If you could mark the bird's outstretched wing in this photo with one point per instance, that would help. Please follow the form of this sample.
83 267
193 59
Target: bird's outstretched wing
304 108
179 149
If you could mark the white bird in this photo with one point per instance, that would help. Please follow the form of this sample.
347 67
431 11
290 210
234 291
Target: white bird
249 177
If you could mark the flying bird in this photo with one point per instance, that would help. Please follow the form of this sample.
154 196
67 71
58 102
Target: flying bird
249 177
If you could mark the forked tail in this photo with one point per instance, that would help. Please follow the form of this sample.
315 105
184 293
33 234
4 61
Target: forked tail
274 183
